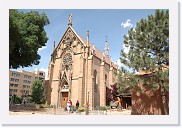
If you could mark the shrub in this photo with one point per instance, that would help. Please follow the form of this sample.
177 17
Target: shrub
51 106
74 108
102 108
65 109
81 109
44 105
15 99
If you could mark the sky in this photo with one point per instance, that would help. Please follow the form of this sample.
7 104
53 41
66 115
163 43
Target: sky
101 23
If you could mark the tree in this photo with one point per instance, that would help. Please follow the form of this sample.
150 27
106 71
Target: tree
14 99
111 93
148 45
37 92
26 36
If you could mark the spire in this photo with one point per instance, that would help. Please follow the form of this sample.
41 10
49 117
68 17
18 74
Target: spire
106 50
70 20
87 38
54 46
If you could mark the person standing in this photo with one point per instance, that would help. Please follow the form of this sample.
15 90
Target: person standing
68 107
77 105
71 107
119 104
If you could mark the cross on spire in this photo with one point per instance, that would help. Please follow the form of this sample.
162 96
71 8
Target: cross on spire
70 20
106 50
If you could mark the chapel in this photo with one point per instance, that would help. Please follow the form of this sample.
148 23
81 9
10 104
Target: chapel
79 71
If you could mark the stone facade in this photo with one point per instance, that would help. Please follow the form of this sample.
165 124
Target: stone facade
79 71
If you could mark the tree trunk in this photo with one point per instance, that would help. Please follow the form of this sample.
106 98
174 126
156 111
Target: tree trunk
165 107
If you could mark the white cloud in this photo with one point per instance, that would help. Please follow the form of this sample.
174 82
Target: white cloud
127 24
126 49
118 62
40 49
46 72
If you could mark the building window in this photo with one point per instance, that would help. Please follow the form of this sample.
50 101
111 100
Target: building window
15 90
15 74
12 79
26 82
66 87
105 78
16 85
95 80
12 73
11 85
41 74
16 80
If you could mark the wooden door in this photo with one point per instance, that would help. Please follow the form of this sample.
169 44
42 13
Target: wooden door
64 99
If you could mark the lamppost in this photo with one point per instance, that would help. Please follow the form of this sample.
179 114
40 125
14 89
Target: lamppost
88 98
87 106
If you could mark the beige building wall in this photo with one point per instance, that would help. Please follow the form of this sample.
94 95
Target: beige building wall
54 93
82 68
20 82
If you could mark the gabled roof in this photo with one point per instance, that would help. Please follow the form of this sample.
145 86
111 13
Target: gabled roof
97 53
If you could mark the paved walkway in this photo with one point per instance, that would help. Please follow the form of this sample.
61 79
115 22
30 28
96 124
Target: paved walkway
62 112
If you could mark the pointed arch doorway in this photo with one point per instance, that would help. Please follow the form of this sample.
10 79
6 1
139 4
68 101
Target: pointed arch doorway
64 99
64 93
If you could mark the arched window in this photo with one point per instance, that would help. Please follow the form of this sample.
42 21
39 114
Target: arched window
105 80
95 80
105 77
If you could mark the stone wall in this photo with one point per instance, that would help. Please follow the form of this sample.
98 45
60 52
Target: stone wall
20 107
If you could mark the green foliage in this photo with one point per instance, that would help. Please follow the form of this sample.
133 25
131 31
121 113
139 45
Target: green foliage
38 92
111 93
26 36
74 108
15 99
44 106
51 106
148 45
102 108
81 109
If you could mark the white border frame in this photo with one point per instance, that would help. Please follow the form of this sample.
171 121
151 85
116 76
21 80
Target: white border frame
171 119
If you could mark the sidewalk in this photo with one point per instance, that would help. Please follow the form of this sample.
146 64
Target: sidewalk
62 112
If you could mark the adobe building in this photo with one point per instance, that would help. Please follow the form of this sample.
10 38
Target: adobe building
79 71
147 101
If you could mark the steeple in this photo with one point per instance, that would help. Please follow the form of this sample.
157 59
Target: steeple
87 38
106 50
54 46
70 20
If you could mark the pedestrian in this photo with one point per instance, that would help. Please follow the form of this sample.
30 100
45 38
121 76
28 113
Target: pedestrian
71 107
119 104
24 101
77 105
68 107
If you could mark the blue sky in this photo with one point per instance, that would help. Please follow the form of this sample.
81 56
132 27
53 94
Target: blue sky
113 23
